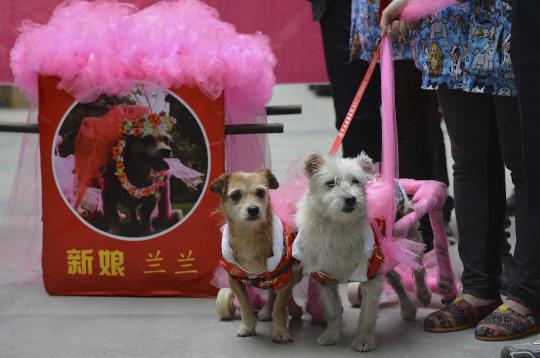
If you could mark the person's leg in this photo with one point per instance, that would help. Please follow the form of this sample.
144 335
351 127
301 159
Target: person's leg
525 54
515 317
345 77
477 184
520 314
525 285
497 190
478 181
413 111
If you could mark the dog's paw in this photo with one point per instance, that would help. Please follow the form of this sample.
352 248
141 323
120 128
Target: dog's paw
281 336
424 297
265 314
329 337
408 311
364 343
245 331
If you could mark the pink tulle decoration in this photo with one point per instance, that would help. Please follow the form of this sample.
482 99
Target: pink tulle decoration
221 278
106 47
380 196
401 252
284 199
417 9
21 227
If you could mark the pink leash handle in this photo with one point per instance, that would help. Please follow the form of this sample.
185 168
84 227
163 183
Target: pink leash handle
389 131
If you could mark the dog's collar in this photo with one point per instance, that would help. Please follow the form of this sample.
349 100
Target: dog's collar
277 245
120 171
148 124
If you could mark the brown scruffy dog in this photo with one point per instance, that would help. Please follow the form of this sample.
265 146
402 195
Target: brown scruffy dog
143 159
253 234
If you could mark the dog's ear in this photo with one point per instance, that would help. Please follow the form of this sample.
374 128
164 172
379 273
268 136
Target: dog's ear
312 164
366 163
219 186
270 178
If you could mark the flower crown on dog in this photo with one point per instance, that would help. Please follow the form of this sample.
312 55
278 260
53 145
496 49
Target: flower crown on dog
151 123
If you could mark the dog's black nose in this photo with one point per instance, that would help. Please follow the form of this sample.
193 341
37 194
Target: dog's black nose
253 210
165 153
350 201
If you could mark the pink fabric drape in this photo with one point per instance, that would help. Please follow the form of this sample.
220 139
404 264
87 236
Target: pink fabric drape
295 38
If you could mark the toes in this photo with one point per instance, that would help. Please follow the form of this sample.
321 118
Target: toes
281 337
245 331
364 344
328 338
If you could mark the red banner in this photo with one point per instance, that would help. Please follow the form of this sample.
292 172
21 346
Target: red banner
296 40
114 235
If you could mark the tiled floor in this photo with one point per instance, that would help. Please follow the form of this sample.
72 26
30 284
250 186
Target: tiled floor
33 324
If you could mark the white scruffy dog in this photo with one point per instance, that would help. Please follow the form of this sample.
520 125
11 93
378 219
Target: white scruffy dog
334 240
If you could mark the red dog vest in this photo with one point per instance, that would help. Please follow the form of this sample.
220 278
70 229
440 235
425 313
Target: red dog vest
278 273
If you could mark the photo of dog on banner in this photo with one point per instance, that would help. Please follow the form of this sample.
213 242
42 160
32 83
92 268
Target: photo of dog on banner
132 182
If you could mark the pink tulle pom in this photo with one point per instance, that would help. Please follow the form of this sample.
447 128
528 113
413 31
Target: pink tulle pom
170 44
221 278
380 196
417 9
401 252
286 197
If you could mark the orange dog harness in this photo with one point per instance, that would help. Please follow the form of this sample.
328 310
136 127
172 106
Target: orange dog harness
277 274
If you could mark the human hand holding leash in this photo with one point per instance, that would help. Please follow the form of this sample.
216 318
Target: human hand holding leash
402 14
390 16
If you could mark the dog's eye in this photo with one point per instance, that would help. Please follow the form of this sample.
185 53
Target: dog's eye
355 182
331 183
236 196
260 193
165 140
